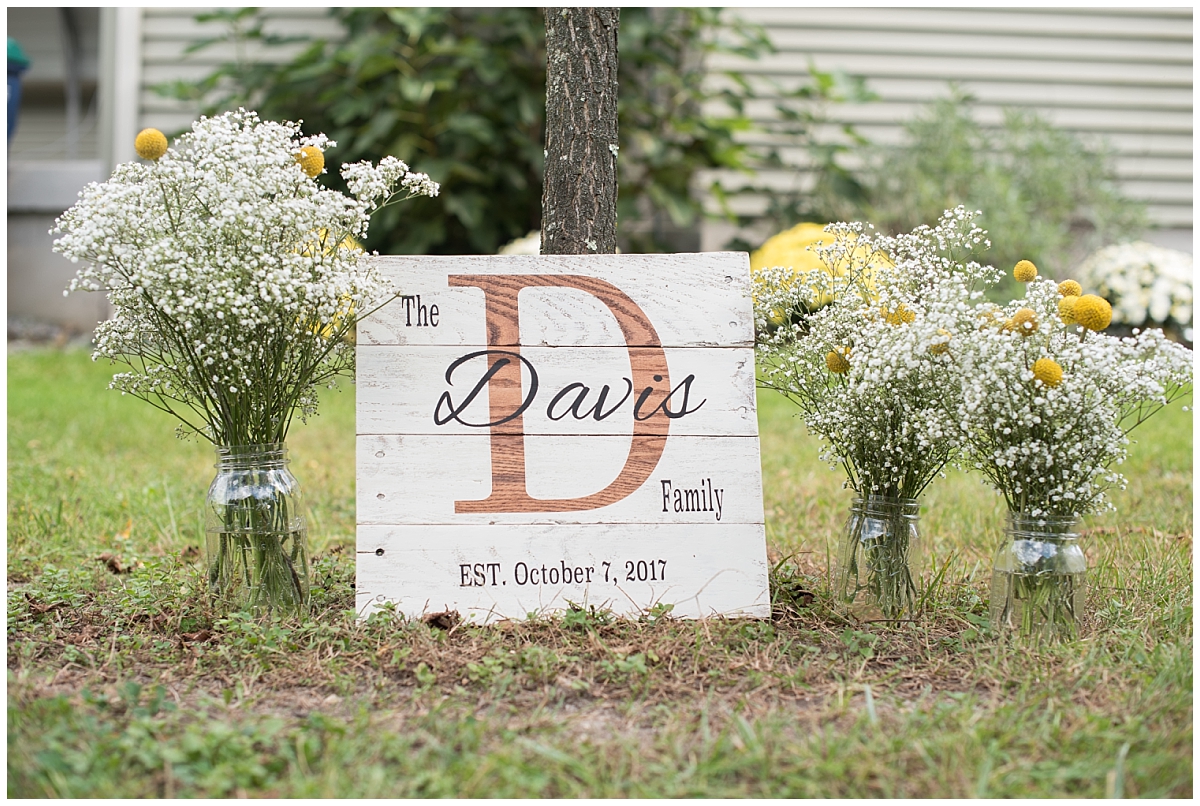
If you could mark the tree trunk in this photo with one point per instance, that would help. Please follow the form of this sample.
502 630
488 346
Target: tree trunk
579 194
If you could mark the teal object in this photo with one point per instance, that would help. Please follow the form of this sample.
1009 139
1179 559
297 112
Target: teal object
16 56
18 63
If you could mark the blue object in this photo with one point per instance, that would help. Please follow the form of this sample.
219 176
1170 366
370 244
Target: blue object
18 63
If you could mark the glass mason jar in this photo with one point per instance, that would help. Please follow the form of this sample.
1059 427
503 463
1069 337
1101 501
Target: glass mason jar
257 540
1038 578
880 557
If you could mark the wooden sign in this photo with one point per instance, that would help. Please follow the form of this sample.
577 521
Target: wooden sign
541 432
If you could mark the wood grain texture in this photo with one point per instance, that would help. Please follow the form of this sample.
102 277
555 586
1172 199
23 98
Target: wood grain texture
692 300
409 479
576 414
492 572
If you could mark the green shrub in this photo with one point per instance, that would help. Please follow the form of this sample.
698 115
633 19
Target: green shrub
1046 196
460 95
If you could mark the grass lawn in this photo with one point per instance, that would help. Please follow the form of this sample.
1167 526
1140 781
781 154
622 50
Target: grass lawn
126 684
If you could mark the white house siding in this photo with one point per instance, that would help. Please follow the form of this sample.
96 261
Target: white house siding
1119 75
167 32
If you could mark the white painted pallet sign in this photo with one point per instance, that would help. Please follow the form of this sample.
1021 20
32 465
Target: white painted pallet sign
541 432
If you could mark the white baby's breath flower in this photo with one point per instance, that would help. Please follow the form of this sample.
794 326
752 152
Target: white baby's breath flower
924 364
234 277
883 405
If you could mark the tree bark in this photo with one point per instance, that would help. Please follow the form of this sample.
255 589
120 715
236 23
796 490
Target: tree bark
579 193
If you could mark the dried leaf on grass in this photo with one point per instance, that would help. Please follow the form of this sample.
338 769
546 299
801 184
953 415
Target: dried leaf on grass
116 564
446 620
38 608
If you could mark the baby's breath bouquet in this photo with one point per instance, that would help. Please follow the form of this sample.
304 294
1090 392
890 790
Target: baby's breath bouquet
236 283
1047 401
872 374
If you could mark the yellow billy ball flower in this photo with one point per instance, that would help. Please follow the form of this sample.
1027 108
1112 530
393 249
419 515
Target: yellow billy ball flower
1093 312
1024 271
1066 309
900 315
938 348
150 144
1047 371
311 160
1070 288
989 319
837 360
1024 321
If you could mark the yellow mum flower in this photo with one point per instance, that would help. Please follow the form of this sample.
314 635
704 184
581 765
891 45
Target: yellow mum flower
1093 312
311 160
899 315
1066 308
1024 271
150 144
938 348
327 247
1024 321
790 248
837 360
1070 288
1048 372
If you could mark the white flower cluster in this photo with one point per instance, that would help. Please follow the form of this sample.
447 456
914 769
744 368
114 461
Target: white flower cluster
234 277
1048 438
907 361
373 182
869 368
1145 283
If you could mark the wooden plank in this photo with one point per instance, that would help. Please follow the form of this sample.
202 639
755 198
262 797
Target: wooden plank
1075 119
491 572
715 384
1171 188
1161 192
430 479
996 93
1126 167
1102 121
667 289
1160 214
1169 24
1170 216
976 44
525 423
1145 143
166 53
967 69
180 24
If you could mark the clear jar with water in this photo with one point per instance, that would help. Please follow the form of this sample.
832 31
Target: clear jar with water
256 536
1038 578
879 565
